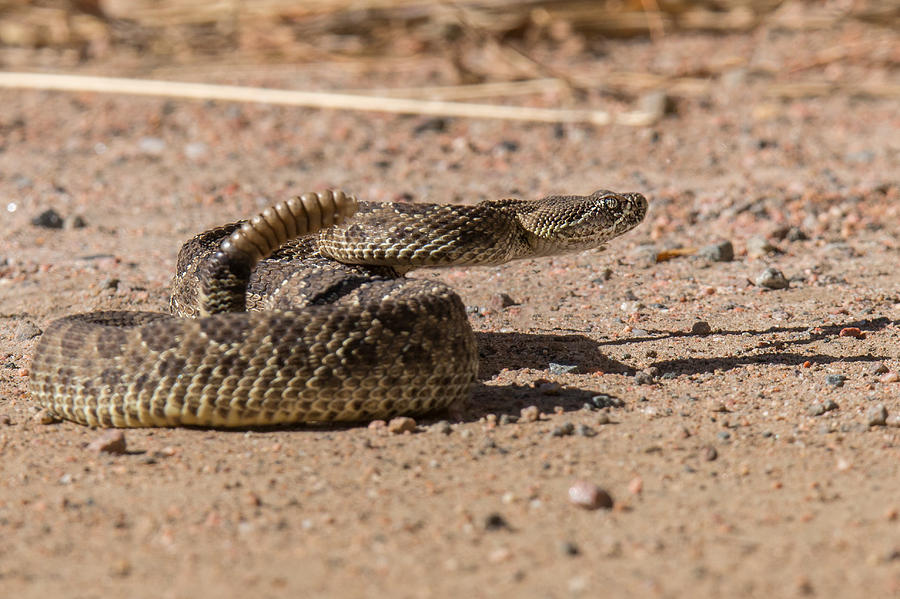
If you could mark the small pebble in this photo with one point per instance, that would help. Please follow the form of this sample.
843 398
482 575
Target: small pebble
75 221
499 301
654 103
195 150
891 377
796 234
26 330
549 387
495 521
643 378
881 368
710 454
45 417
49 219
851 332
569 548
586 431
877 415
602 419
631 307
589 496
718 252
443 427
717 406
835 380
644 255
563 430
403 424
112 441
636 485
701 327
759 246
437 124
723 435
772 278
818 409
529 414
561 368
604 400
153 146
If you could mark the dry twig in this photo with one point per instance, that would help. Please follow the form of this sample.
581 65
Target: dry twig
325 100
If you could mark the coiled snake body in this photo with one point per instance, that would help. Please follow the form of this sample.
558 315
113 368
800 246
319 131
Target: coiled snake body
302 314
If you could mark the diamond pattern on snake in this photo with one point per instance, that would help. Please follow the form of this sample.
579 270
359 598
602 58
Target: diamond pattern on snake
302 314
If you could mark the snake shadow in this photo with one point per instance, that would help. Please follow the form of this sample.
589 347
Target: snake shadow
498 351
534 351
767 352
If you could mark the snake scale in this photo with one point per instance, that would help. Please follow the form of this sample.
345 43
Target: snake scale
303 314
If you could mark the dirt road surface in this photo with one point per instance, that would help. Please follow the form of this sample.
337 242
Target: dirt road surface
748 436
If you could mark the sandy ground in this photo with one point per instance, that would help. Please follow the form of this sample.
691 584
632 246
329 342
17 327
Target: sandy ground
738 463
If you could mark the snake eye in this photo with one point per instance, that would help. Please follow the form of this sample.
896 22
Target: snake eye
612 204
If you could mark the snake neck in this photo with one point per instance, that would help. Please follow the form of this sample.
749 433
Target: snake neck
411 236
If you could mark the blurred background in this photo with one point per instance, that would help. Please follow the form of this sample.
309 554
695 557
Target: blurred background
483 39
714 95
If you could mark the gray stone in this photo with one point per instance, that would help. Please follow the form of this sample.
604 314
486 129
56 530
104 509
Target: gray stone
701 327
49 219
26 330
835 380
154 146
877 415
561 368
722 251
759 246
772 278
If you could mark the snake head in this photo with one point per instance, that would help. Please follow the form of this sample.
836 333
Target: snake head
561 224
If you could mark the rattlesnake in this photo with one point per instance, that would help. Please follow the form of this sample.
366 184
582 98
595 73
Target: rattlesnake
302 314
